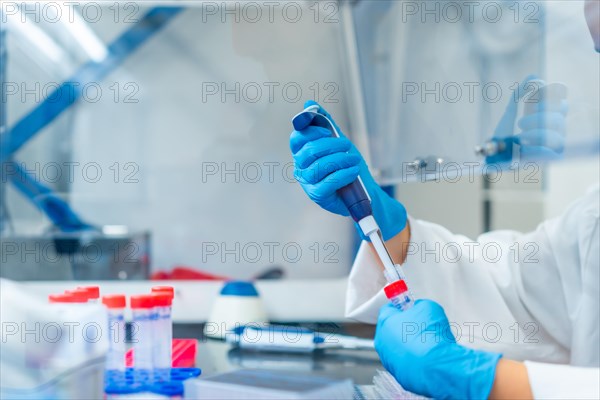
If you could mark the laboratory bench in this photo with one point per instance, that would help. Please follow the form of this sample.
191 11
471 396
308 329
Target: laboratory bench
216 356
192 306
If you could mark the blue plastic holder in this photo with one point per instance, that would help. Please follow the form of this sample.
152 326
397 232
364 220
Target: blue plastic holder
181 374
123 387
138 381
172 388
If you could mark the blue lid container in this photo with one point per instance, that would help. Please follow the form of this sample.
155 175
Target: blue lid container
239 288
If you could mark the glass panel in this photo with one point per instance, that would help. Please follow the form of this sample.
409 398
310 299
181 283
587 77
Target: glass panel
438 76
181 131
176 149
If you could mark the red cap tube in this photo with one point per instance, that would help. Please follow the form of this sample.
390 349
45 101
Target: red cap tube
114 301
164 289
395 289
93 291
142 301
162 299
81 294
64 298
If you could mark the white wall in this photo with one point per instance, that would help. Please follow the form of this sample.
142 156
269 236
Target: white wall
565 182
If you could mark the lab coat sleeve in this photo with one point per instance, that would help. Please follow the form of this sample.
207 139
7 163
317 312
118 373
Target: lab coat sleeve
531 296
478 290
505 291
553 381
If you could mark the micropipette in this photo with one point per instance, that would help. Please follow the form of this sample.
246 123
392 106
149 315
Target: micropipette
358 202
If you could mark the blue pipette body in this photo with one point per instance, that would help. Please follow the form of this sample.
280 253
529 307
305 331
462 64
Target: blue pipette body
354 195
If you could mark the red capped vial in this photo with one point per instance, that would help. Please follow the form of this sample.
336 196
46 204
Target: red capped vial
398 293
92 291
164 289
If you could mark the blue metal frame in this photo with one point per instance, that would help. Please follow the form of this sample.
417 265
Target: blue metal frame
57 209
67 94
4 217
70 91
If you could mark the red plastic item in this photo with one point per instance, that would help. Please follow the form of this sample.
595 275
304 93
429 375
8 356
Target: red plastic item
162 299
65 298
164 289
395 288
160 276
114 301
142 301
183 354
186 273
92 291
82 295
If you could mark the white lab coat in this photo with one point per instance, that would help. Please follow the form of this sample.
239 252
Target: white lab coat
532 296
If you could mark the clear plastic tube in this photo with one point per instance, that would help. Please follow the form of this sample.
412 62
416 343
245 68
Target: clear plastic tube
397 291
142 307
163 336
115 359
402 301
162 351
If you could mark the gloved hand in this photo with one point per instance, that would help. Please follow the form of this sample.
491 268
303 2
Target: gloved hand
324 164
418 348
542 135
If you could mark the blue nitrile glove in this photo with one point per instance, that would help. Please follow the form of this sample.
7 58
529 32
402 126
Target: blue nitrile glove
418 348
324 164
542 135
